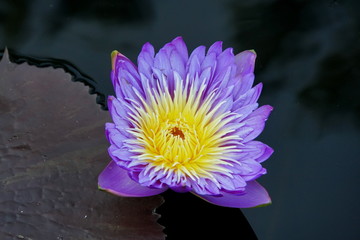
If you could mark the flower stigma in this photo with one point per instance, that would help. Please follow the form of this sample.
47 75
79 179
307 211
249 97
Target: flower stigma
175 131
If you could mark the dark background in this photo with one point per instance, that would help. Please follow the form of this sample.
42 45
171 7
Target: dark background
309 62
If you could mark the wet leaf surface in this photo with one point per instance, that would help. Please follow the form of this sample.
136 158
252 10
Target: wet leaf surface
52 148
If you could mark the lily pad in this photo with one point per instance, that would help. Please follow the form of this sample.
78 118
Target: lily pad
52 149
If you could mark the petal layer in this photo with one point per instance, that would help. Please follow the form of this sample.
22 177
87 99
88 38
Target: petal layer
255 195
245 62
116 180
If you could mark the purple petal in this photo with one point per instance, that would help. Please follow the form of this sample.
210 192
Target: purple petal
181 48
163 64
204 187
198 52
172 57
245 62
215 48
121 124
120 162
257 150
209 63
225 107
225 61
118 111
254 176
231 184
162 60
243 131
116 180
146 61
193 66
223 78
123 154
247 168
114 135
256 120
243 84
249 97
123 64
246 110
205 76
125 77
177 63
147 54
255 195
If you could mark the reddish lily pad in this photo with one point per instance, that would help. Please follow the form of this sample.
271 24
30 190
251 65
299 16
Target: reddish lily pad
52 149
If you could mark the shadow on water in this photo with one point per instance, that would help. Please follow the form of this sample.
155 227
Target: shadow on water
186 216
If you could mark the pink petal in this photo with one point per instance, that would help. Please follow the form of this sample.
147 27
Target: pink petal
116 180
255 195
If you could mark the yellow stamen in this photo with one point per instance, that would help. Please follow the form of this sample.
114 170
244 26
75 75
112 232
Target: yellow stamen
180 133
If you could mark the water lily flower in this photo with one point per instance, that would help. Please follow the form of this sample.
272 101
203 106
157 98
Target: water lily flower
187 123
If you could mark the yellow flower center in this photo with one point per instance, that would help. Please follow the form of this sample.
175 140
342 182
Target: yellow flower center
182 134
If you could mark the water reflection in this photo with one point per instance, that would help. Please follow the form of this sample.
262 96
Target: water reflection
263 25
336 85
13 15
308 55
83 32
108 12
293 38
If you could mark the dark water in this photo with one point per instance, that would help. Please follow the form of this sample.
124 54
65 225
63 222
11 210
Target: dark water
309 62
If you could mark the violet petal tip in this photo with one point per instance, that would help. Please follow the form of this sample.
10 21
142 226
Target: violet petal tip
116 180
